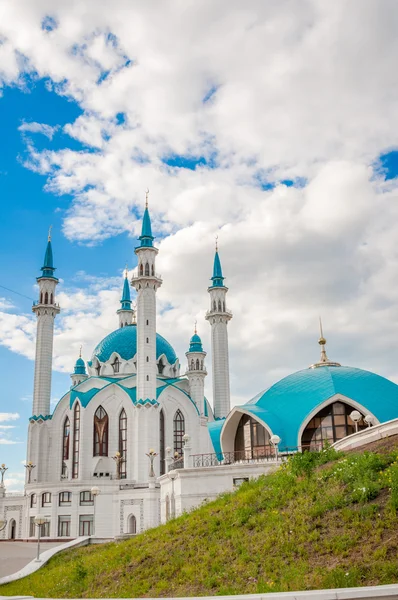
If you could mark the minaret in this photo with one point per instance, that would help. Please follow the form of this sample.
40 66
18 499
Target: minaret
324 361
46 310
196 371
146 282
79 373
125 312
218 317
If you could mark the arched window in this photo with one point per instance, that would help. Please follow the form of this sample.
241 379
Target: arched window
147 377
162 443
147 358
41 297
161 367
98 369
46 298
141 270
214 305
167 502
219 306
153 270
116 365
132 525
192 364
251 439
51 299
146 270
147 340
66 435
123 443
76 441
101 423
330 424
197 364
179 431
223 306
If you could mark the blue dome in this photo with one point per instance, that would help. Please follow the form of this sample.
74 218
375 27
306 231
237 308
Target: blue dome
288 403
124 342
80 367
195 344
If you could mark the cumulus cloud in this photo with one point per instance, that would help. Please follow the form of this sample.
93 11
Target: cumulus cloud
42 128
216 112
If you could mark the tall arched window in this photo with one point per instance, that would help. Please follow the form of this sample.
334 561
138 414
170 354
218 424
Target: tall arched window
162 443
46 298
192 364
100 438
132 525
116 365
179 431
51 299
153 270
214 305
65 443
76 441
146 269
141 270
123 443
161 367
251 439
98 369
197 364
219 306
330 424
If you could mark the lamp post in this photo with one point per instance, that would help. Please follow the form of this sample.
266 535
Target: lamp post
29 467
369 420
3 469
95 491
39 522
275 440
151 455
172 476
118 458
356 417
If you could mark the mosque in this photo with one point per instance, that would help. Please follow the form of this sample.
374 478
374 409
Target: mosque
134 441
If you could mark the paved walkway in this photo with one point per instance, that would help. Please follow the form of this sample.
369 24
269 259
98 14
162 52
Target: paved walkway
15 555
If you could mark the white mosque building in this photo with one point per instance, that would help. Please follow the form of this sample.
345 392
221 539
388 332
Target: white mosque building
135 442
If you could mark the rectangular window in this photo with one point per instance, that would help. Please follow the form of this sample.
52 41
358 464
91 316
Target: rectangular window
32 527
86 525
33 500
45 528
86 499
64 526
46 499
65 498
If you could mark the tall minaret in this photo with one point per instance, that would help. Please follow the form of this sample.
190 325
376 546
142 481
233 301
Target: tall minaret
46 310
125 312
218 317
196 371
146 283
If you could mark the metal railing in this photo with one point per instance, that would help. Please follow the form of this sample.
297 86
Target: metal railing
178 463
257 454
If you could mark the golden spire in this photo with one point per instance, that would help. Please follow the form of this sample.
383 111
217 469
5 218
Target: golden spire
80 351
322 343
146 197
216 243
126 271
49 233
195 331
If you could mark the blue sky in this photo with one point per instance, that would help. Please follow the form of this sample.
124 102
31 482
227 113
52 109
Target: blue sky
272 127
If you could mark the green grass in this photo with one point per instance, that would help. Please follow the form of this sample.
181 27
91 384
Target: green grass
322 521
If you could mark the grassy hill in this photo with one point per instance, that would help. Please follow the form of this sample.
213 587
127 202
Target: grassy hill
324 520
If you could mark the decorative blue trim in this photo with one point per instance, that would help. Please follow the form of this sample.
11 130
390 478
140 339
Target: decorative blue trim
37 417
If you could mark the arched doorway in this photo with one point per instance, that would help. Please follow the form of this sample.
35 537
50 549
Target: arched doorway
330 424
251 439
132 525
12 530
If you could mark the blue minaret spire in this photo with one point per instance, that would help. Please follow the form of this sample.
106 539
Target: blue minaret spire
125 312
217 279
146 238
126 298
48 266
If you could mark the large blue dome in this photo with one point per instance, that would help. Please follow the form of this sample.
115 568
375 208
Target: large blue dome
289 402
124 342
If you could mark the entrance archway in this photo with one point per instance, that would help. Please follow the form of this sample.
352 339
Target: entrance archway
252 440
12 530
132 525
331 423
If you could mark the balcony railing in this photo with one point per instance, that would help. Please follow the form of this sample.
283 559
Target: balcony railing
136 274
178 463
258 454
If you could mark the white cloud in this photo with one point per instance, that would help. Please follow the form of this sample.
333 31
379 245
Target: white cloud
42 128
8 416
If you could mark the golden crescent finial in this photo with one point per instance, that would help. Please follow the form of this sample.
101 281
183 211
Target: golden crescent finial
49 233
146 197
195 326
126 271
80 351
216 243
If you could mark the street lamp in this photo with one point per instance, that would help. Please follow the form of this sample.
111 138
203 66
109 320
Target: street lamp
3 469
118 458
356 417
29 467
275 440
39 522
95 491
172 475
151 455
369 420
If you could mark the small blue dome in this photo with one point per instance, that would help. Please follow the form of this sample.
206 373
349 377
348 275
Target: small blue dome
195 344
80 367
289 402
124 342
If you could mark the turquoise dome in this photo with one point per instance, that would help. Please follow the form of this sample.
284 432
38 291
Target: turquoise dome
287 404
80 367
124 342
195 344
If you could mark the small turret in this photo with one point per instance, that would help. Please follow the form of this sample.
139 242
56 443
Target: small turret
125 312
196 371
79 372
